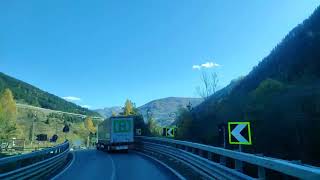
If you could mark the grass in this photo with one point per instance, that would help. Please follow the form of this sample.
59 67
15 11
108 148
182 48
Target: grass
44 123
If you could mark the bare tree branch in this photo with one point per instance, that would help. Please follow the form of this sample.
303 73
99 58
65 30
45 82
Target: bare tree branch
209 85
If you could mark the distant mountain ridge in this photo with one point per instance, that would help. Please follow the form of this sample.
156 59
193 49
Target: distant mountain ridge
163 110
25 93
107 111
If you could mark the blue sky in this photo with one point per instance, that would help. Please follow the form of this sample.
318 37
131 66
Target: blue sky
104 52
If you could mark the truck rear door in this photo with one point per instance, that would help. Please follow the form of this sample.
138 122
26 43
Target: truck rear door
122 130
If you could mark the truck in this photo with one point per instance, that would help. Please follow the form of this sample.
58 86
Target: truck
115 134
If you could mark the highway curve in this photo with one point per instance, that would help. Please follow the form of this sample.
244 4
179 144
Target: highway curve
93 164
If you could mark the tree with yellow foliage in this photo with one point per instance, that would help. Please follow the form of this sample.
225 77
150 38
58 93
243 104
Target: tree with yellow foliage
89 125
128 108
8 115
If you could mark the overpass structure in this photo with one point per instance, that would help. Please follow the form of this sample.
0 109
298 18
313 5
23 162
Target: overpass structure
152 158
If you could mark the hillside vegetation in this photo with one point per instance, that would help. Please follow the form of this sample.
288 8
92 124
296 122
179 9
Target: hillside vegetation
25 124
280 97
27 94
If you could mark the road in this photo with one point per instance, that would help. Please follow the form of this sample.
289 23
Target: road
93 164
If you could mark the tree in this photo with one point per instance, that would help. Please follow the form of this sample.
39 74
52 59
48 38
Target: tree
209 85
8 115
113 114
47 121
89 125
129 108
268 87
83 132
153 127
184 121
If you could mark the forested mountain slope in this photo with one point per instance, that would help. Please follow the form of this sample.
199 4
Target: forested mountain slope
280 97
28 94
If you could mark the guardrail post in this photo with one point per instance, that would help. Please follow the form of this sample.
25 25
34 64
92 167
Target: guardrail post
239 165
223 160
192 150
18 164
210 157
261 173
200 152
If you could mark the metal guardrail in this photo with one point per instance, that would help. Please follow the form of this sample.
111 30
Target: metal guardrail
201 157
38 164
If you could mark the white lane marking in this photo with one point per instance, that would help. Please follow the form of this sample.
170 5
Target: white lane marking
113 175
65 169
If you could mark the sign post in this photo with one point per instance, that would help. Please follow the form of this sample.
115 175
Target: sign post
239 133
222 134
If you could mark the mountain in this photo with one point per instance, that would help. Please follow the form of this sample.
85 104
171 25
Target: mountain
25 93
107 112
163 110
280 97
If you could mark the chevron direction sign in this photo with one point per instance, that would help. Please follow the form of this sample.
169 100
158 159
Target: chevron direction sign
169 132
239 133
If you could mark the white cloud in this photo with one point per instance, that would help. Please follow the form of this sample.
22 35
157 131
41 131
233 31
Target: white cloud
206 65
71 98
86 106
196 67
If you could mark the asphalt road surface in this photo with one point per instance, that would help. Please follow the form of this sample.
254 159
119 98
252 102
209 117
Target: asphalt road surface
95 165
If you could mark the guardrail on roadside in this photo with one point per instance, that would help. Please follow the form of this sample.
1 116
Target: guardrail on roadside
211 162
36 164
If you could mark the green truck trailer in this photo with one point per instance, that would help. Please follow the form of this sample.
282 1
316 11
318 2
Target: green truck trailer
115 133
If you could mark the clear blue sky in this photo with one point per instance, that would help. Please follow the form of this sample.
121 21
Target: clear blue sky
106 51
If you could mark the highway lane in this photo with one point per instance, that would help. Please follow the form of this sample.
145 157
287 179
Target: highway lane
93 164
